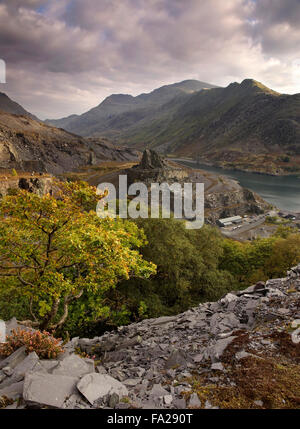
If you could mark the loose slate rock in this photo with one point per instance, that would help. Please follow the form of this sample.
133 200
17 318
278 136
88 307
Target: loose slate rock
74 366
14 359
13 391
95 386
176 359
217 350
158 391
194 401
48 389
26 365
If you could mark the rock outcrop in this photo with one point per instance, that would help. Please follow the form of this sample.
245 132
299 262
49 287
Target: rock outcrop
240 352
224 197
40 185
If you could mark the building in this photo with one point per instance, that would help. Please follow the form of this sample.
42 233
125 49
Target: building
228 221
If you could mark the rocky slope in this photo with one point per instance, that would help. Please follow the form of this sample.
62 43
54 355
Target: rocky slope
29 145
240 352
40 185
121 111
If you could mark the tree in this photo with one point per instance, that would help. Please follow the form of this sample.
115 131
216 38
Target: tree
53 250
187 269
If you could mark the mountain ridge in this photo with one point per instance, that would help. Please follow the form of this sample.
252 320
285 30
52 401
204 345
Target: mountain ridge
245 125
89 123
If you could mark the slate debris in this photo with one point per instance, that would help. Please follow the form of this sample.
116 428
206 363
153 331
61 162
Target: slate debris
150 364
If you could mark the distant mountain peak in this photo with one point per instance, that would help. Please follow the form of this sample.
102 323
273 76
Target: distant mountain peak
127 109
254 84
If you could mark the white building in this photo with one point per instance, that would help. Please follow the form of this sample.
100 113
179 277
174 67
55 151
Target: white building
228 221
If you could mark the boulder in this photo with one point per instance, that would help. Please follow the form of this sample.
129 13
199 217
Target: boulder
158 391
13 391
26 365
296 336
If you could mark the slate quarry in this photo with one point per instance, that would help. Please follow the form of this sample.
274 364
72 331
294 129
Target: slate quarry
152 364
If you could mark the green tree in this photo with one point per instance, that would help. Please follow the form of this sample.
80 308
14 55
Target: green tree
187 269
55 251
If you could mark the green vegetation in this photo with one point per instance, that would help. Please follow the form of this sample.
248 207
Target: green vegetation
201 265
55 251
187 269
65 270
42 343
274 383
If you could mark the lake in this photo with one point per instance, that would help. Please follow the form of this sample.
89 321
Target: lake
281 191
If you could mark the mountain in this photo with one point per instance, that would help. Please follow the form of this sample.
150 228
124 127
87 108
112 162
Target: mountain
120 111
245 125
10 106
29 145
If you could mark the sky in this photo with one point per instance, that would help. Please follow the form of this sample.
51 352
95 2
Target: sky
66 56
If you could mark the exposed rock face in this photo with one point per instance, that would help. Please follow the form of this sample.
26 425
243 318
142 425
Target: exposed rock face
39 185
30 145
150 160
153 363
153 168
224 197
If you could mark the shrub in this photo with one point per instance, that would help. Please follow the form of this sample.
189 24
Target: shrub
42 343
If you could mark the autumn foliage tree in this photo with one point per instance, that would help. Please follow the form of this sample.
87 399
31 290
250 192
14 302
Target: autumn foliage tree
53 250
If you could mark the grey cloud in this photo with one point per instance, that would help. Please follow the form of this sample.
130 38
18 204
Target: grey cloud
68 56
276 26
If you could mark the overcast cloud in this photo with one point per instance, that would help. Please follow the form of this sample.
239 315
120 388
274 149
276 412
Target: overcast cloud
66 56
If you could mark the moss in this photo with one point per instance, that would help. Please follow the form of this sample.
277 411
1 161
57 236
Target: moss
275 384
273 380
125 399
286 347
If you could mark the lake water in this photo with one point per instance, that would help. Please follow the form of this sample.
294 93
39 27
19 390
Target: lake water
283 192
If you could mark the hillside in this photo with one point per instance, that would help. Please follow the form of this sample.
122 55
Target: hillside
241 352
120 111
10 106
239 124
29 145
245 126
